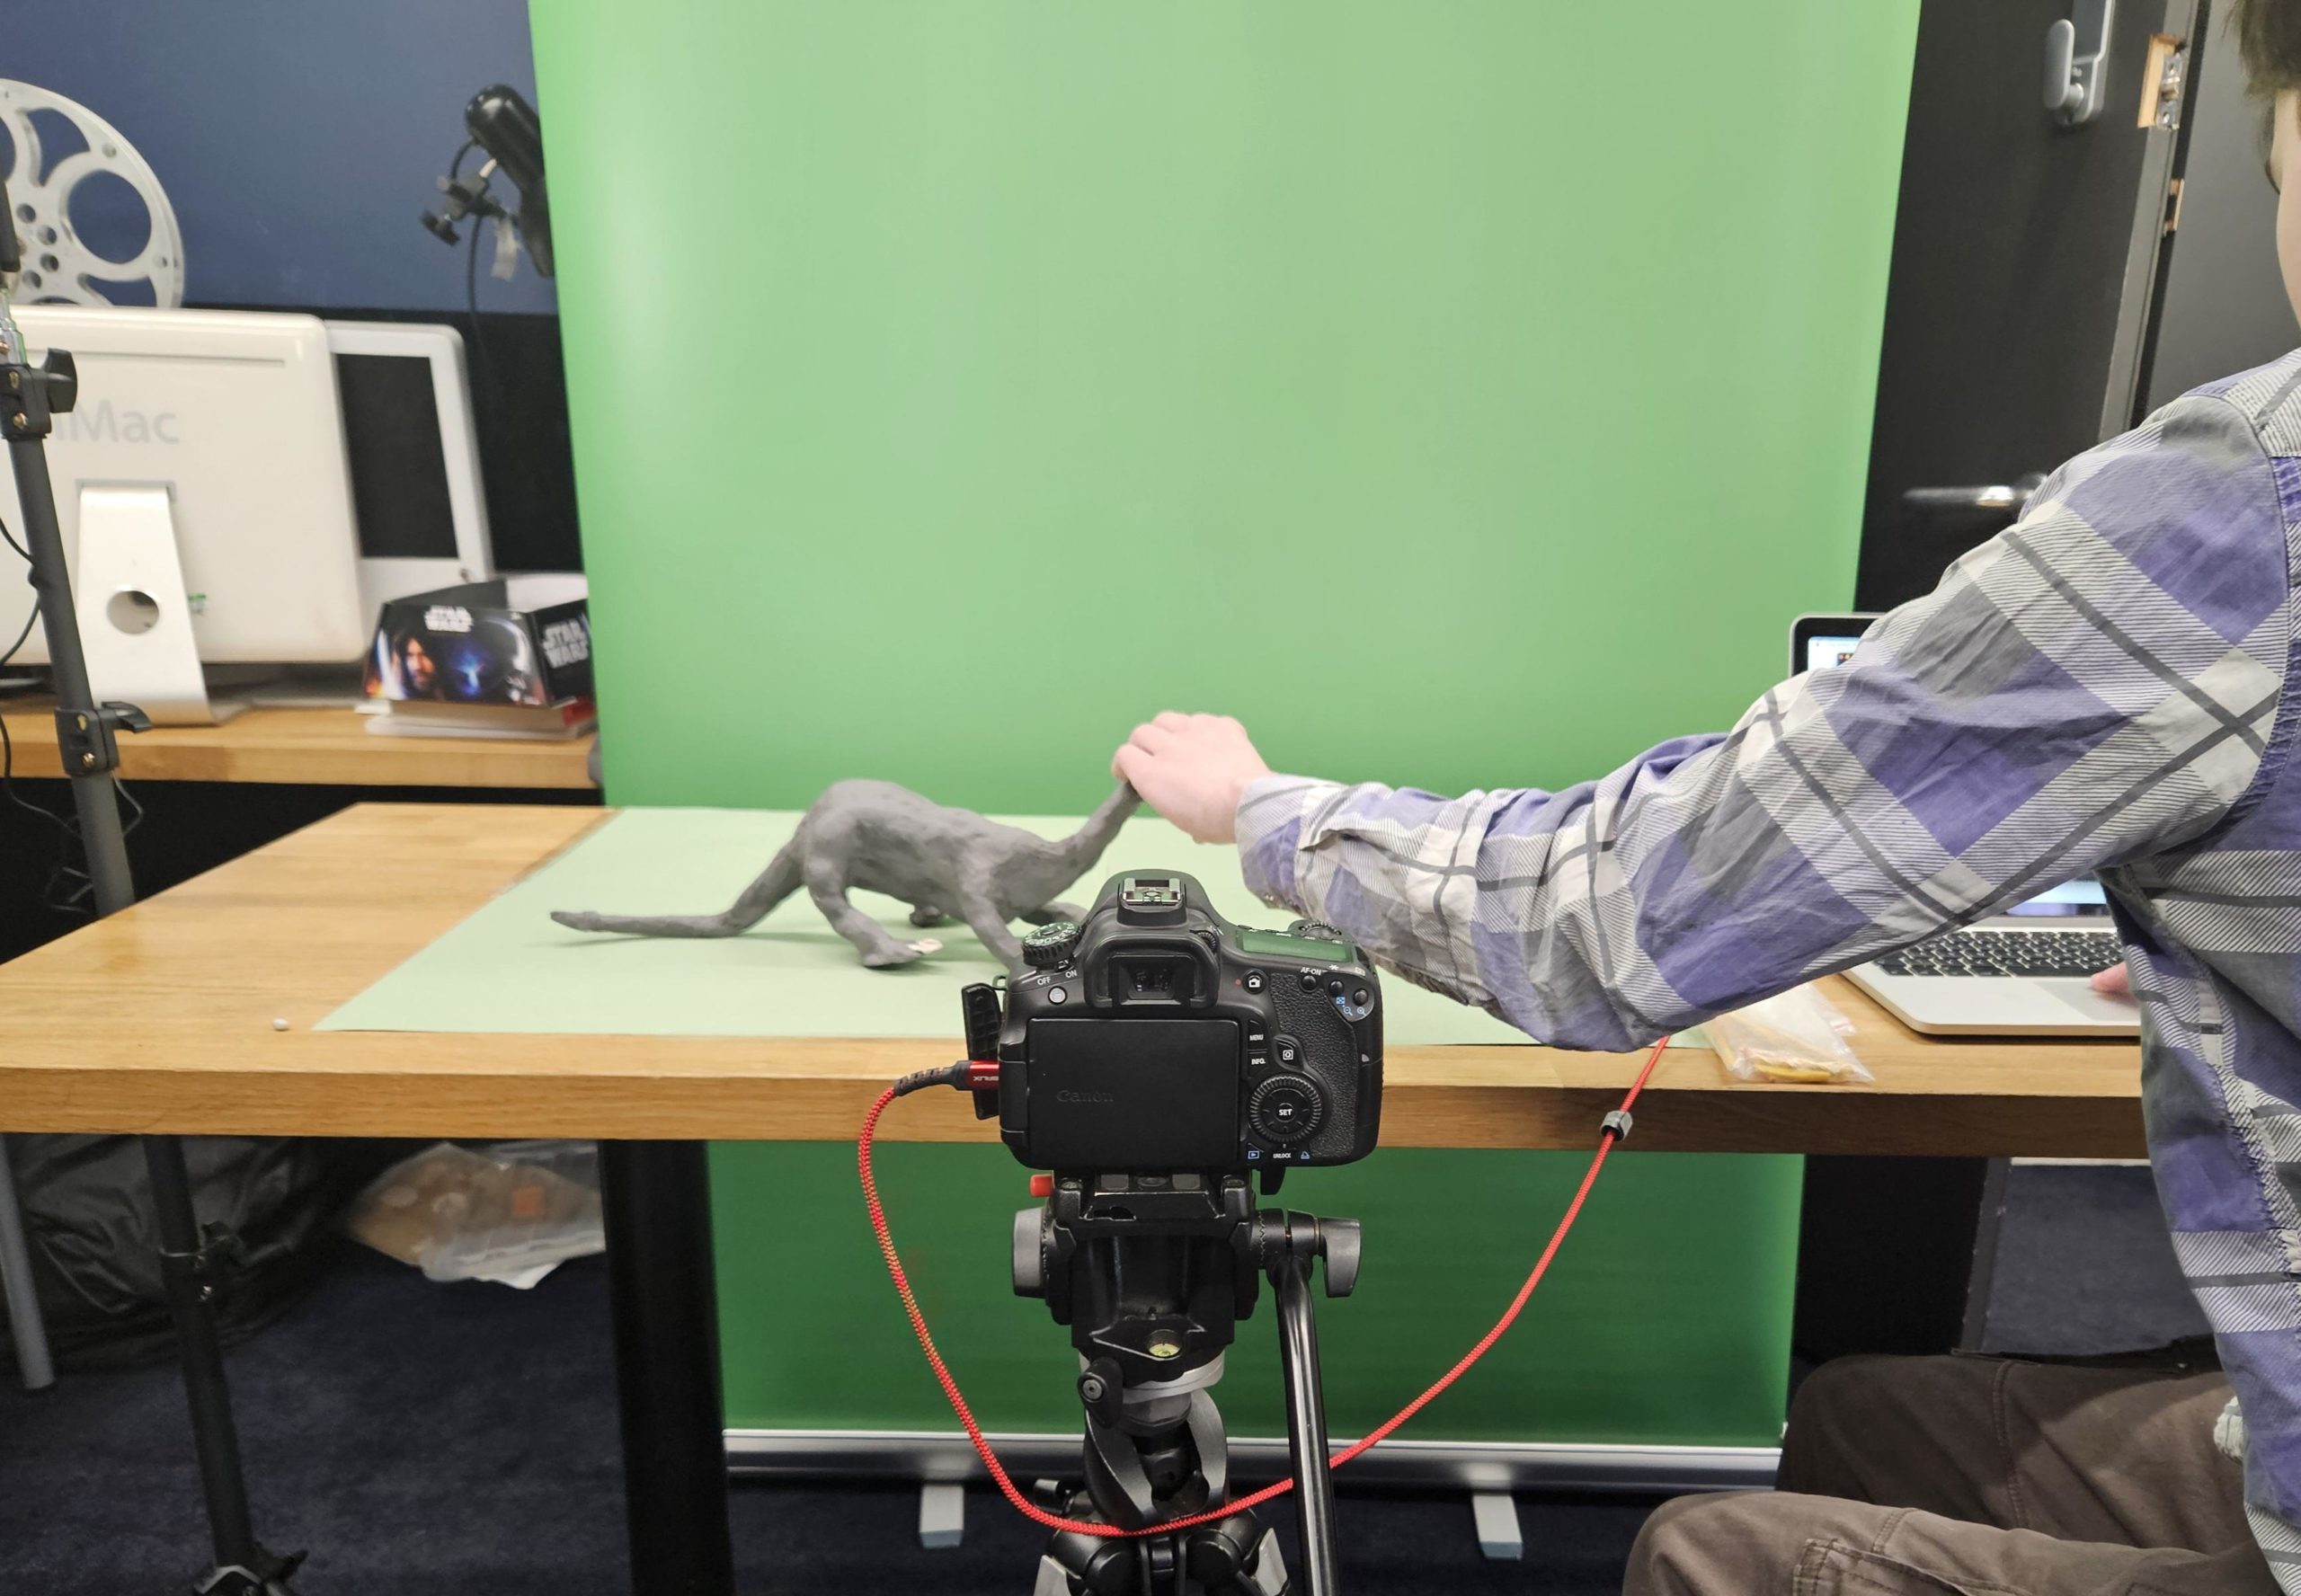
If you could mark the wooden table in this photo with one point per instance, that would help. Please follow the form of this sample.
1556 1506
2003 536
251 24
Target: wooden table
161 1018
309 747
192 980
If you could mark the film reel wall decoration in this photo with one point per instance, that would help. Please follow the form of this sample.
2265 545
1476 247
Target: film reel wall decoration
60 267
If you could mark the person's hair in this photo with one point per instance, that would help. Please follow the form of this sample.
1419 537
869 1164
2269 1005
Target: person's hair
2269 40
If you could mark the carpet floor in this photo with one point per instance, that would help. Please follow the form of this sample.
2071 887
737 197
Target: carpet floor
462 1439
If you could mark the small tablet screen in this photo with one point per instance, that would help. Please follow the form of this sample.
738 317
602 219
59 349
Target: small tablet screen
1817 642
1823 651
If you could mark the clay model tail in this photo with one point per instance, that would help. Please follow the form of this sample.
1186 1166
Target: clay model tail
1078 851
777 882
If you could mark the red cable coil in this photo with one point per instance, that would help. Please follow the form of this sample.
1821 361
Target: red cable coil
1039 1515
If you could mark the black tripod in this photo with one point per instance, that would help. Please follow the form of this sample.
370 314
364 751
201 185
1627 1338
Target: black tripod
30 396
1152 1274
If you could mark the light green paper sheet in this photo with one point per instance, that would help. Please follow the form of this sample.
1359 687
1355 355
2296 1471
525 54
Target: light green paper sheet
510 969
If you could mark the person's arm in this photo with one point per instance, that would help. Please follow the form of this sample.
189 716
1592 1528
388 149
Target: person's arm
2101 682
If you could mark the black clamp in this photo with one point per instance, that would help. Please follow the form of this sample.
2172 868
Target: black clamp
85 740
1617 1125
31 397
220 1248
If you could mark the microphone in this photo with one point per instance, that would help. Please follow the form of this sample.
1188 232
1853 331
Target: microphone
500 122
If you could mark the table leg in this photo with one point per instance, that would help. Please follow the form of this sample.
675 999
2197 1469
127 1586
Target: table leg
665 1304
1989 1224
1886 1254
26 1330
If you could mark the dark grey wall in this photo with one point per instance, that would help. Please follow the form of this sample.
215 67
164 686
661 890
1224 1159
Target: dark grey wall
297 141
2224 307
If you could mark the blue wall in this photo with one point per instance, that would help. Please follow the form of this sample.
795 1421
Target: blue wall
298 141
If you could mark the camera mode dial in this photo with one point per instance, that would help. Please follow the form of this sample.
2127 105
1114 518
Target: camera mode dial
1285 1109
1050 946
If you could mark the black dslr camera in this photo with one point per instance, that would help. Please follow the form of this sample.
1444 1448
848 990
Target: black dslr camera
1157 1036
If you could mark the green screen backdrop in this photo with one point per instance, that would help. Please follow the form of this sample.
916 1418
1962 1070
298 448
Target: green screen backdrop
1463 393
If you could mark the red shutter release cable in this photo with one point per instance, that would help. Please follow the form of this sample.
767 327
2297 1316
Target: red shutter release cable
978 1076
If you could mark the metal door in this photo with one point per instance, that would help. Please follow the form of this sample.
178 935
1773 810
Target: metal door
2027 245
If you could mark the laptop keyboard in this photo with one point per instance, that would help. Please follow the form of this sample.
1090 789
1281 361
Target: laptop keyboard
2008 953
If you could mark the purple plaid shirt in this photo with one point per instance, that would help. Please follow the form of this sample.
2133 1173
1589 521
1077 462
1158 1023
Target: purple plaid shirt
2100 688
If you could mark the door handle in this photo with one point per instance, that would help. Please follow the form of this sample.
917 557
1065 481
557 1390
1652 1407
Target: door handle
2077 51
2002 496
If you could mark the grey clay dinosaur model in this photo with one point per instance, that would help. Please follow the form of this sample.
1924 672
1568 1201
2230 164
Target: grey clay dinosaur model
885 838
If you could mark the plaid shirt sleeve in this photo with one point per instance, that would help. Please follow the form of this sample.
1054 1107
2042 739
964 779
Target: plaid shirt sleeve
2095 685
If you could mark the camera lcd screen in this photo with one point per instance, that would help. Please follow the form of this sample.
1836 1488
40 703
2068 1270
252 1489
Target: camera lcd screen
1266 944
1134 1093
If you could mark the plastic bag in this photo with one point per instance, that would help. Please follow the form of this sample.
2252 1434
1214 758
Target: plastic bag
1793 1036
95 1257
510 1213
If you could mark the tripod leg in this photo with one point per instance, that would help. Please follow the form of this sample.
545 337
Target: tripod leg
212 1429
241 1564
1306 1425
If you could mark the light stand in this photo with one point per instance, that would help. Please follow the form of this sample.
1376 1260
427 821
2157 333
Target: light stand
1152 1274
30 396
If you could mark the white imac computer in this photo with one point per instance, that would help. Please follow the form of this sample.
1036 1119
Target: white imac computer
204 498
420 502
239 489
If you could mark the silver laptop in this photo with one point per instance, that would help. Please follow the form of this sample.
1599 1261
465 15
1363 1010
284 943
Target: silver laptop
2023 973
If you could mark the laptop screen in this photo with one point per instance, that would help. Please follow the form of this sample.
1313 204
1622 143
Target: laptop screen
1822 652
2082 898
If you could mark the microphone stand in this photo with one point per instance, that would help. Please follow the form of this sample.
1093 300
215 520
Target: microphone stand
190 1258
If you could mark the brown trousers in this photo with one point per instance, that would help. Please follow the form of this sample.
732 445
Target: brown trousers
1934 1477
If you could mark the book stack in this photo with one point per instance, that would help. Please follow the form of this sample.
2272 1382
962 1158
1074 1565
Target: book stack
561 722
510 658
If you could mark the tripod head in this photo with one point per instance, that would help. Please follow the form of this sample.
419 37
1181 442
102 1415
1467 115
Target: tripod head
1154 1057
1152 1274
1174 1242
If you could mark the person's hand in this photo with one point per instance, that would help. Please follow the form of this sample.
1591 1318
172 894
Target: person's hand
1193 769
2114 981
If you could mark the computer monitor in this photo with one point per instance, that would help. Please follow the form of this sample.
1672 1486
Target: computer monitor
204 497
416 487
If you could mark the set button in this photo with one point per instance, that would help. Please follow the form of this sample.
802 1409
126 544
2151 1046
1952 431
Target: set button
1285 1108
